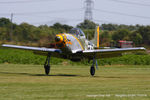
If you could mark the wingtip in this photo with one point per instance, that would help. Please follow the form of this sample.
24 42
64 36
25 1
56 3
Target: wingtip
6 45
3 45
142 48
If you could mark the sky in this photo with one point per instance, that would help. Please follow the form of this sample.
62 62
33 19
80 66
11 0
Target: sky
71 12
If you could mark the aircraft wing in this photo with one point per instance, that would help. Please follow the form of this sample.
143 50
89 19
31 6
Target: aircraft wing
106 53
36 49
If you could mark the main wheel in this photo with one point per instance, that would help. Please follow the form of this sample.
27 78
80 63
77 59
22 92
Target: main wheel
92 70
47 69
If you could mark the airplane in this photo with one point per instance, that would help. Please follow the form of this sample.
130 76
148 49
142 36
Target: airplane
75 47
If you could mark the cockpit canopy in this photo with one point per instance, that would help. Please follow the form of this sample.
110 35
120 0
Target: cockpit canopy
77 32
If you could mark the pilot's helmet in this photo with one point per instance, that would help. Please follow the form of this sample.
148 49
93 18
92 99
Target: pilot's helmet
78 32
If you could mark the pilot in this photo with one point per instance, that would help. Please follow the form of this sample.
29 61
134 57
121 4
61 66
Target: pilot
78 33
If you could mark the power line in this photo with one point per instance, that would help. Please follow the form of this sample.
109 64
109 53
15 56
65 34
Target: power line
131 3
25 1
65 20
104 21
44 12
123 14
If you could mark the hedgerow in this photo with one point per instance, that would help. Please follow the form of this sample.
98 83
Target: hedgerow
23 57
14 56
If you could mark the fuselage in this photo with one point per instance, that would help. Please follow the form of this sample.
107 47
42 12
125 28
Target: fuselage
71 42
75 40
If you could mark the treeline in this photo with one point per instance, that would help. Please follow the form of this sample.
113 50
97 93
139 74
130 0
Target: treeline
29 34
12 56
109 33
42 35
138 34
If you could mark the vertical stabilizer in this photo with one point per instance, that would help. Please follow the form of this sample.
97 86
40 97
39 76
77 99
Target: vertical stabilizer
97 33
96 37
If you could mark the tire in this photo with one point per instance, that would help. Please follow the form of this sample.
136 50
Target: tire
92 71
47 69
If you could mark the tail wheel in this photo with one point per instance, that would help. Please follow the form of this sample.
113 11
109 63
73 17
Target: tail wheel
92 70
47 69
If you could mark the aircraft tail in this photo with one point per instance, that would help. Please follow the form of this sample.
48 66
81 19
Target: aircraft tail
96 37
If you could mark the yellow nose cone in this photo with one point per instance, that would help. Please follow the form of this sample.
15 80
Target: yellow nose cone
58 39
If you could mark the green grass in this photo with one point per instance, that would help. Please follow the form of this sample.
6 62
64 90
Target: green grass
28 82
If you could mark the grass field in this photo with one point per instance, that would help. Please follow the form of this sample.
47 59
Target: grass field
120 82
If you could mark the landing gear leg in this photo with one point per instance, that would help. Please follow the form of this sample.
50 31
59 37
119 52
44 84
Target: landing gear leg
47 65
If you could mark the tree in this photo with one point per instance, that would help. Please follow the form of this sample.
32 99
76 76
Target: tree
62 28
4 22
4 34
87 24
109 27
114 27
105 38
136 38
145 33
121 35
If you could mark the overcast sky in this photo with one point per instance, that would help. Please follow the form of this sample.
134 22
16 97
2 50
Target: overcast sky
71 12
